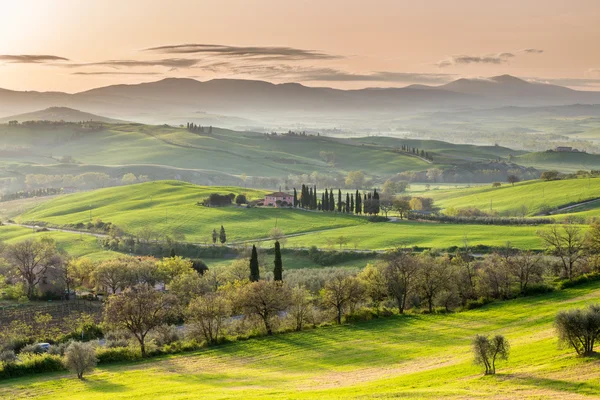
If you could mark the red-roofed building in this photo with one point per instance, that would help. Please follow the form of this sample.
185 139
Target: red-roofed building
273 198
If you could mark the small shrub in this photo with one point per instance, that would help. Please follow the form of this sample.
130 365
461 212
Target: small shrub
8 356
80 358
117 354
474 304
32 349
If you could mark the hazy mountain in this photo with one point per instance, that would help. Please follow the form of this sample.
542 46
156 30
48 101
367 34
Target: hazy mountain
173 98
58 114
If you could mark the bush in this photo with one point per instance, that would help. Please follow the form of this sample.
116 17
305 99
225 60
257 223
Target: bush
8 356
474 304
32 364
32 349
580 280
377 218
117 354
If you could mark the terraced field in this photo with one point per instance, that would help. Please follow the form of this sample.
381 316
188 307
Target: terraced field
411 356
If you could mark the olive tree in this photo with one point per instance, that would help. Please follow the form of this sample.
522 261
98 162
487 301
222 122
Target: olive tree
401 274
208 313
265 300
80 358
340 291
487 351
579 328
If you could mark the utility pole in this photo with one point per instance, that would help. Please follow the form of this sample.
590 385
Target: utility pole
166 215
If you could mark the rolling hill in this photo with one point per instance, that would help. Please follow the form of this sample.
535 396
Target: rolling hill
58 114
409 356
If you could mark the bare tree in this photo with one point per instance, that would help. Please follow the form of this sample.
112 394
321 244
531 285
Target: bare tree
488 351
401 275
434 276
266 300
340 292
208 313
565 242
31 259
139 310
301 306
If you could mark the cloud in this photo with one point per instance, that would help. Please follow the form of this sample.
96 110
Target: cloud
30 58
498 58
532 51
257 52
115 73
167 62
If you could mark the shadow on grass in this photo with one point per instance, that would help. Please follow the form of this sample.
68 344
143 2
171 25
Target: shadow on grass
582 388
103 385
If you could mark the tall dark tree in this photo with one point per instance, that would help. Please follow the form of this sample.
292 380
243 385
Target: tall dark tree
365 204
358 208
278 269
351 203
303 196
295 198
222 235
331 201
347 203
375 205
310 196
322 201
326 201
254 271
314 198
339 204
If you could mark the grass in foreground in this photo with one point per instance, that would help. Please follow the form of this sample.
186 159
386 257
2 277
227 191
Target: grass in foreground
412 356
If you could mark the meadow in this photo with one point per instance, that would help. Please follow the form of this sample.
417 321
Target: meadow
535 196
411 356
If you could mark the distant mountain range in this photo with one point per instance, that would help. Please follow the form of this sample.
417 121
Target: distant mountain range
177 98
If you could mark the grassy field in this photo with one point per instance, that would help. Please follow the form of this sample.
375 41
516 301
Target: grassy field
75 245
412 356
534 195
388 235
171 206
564 162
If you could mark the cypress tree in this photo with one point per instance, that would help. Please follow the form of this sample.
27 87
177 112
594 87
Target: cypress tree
375 202
326 201
322 201
347 203
365 204
254 271
358 207
222 235
295 198
331 201
278 270
310 196
351 203
339 205
314 198
172 253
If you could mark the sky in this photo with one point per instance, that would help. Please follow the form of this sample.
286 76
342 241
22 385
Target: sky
75 45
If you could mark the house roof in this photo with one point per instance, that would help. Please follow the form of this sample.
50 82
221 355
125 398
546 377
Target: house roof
278 194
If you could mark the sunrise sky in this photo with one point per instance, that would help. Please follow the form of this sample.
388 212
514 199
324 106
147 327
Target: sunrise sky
74 45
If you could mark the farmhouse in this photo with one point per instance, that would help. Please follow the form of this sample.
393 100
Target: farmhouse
281 197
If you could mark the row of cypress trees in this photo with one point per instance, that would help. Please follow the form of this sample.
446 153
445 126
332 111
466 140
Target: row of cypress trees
416 151
367 204
277 270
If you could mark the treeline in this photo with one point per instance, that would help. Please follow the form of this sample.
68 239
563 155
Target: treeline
481 220
413 150
31 193
88 180
191 127
351 203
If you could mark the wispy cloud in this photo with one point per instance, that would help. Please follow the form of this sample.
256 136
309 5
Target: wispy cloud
497 58
257 52
166 62
114 73
30 58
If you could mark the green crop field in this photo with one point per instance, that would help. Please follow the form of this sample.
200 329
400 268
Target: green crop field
171 206
534 195
411 356
562 161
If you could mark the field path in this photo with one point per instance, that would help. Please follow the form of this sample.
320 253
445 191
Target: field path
561 210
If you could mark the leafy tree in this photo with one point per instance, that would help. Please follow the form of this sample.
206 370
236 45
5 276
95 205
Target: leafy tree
208 313
373 281
265 300
139 310
112 274
512 179
222 235
401 206
301 306
80 358
254 267
241 199
278 269
433 278
549 175
579 328
355 179
488 351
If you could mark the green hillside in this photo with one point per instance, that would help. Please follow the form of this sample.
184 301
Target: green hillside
170 206
536 196
561 161
411 356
